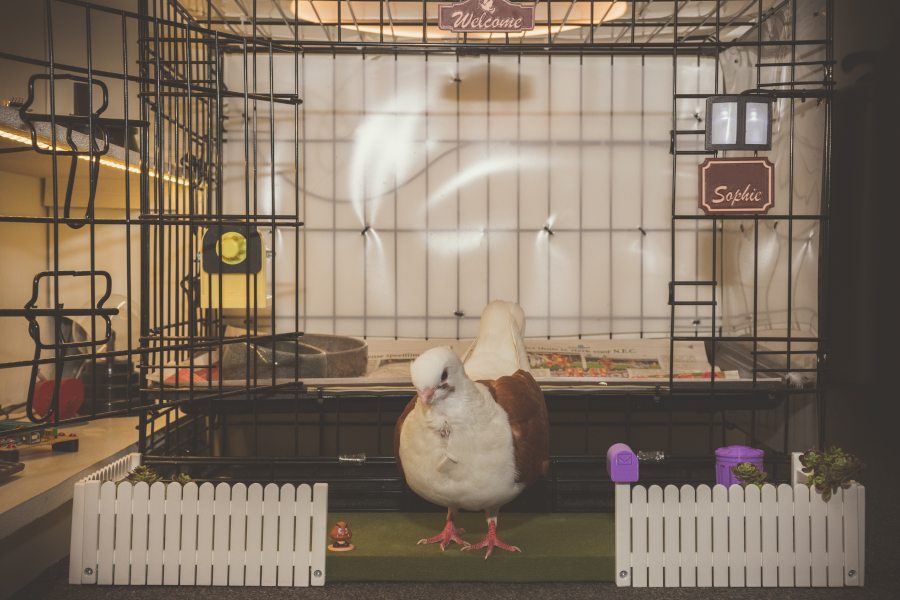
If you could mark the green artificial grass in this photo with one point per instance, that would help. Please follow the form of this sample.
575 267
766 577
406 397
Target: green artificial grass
555 547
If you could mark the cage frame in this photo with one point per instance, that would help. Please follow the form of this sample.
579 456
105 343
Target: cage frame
169 36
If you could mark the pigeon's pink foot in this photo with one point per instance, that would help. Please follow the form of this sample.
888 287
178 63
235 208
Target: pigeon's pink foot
490 541
449 534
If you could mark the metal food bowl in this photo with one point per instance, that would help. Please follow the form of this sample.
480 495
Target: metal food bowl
290 359
316 356
347 356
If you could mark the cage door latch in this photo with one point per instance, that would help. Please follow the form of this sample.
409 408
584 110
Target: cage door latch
356 460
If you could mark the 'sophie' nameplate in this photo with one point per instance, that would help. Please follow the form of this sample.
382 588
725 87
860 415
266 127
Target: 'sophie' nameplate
493 16
737 186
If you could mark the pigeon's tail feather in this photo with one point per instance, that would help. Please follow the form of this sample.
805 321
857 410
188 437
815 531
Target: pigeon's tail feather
499 349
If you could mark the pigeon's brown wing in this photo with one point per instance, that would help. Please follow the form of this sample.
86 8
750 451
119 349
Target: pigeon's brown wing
398 427
522 399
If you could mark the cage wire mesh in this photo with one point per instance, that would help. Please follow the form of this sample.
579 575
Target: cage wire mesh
388 179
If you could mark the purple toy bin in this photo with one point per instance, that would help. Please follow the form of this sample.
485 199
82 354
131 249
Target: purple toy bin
730 456
621 463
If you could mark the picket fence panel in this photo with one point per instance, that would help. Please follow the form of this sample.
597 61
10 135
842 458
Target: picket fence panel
851 536
188 535
704 536
688 536
286 519
157 510
655 536
205 511
772 537
171 554
786 551
190 497
254 534
238 532
91 526
302 536
107 533
736 550
769 526
672 562
817 532
639 536
835 539
141 494
753 536
222 521
122 558
720 536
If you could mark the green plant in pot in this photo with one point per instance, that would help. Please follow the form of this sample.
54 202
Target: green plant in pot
749 474
149 476
142 473
830 469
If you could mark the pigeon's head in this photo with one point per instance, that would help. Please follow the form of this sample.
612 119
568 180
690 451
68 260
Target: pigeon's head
436 374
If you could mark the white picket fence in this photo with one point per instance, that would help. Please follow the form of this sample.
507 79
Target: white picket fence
196 535
785 536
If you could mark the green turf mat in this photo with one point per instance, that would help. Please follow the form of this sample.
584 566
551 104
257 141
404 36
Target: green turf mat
555 547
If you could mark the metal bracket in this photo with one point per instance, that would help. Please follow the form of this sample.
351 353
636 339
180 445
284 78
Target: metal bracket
651 456
34 330
356 460
94 122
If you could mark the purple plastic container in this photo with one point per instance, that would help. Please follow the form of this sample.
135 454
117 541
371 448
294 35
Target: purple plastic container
730 456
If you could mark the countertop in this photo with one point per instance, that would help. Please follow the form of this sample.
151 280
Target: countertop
48 479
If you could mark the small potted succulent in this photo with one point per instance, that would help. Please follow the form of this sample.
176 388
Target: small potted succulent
830 469
746 473
149 476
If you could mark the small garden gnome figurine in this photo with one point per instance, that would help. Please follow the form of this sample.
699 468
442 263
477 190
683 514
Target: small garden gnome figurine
341 536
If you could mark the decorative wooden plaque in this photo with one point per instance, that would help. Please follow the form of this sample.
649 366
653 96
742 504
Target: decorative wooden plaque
737 186
495 16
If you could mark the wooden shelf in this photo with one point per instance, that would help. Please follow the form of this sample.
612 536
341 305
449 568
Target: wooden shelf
115 171
36 504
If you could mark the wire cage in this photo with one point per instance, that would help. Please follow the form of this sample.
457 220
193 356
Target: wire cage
387 178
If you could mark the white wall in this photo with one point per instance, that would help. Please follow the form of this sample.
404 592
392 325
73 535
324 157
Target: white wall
24 248
457 181
28 248
781 247
23 32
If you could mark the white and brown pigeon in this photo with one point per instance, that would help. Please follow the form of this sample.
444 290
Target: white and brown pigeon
475 444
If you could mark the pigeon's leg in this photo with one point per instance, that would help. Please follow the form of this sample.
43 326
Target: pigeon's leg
449 534
490 540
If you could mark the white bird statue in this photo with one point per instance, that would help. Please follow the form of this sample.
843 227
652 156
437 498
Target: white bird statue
475 444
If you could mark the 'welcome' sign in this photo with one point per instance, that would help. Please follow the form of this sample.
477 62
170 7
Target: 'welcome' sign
493 16
737 186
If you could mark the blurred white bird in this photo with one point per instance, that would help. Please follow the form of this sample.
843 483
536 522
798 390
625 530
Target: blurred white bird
475 444
499 348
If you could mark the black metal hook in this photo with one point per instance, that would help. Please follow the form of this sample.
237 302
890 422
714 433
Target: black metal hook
93 120
34 330
97 127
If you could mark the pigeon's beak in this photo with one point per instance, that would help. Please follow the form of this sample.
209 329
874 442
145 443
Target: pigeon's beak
425 395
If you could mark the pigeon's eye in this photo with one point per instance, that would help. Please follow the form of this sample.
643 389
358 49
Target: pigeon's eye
444 375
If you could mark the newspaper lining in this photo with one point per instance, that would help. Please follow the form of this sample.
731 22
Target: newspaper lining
613 359
561 360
